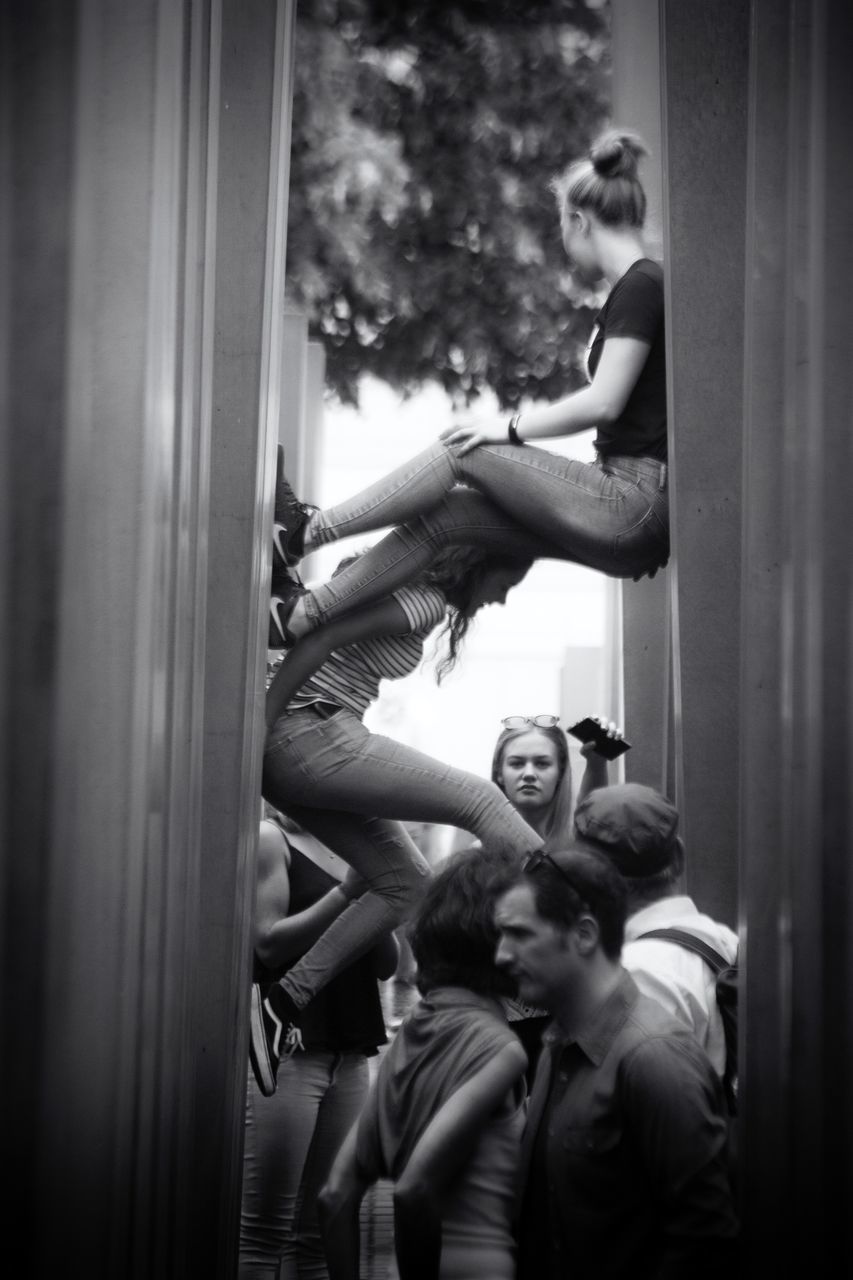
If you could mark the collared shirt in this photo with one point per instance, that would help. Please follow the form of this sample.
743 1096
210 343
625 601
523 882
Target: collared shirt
624 1160
677 978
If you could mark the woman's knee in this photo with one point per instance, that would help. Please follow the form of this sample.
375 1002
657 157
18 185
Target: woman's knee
461 518
439 527
402 882
415 881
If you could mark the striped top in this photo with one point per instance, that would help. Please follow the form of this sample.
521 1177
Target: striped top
350 676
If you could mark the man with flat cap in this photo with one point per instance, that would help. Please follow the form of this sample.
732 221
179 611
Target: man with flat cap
637 829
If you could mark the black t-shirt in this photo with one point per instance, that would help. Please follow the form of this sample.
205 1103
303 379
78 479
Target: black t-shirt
634 309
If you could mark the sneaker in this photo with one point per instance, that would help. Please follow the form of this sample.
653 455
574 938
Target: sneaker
291 517
273 1033
285 589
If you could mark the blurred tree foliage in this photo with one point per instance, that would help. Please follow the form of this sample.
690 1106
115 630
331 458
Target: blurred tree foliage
423 237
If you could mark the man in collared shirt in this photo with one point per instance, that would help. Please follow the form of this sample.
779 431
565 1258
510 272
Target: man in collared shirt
637 829
623 1169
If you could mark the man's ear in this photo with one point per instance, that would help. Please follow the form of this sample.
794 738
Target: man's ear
587 933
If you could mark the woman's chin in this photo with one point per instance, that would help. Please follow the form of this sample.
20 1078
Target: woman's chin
530 807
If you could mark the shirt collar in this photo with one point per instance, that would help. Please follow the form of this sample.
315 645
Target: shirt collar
461 997
597 1036
658 913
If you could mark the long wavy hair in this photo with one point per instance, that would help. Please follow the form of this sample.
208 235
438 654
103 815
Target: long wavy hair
457 572
558 829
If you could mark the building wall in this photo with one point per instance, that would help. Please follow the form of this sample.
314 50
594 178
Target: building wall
796 823
679 78
646 621
143 179
704 97
756 106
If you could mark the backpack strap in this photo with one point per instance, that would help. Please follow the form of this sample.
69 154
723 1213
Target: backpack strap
708 953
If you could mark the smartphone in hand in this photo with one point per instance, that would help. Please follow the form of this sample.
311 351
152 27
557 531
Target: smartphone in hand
589 730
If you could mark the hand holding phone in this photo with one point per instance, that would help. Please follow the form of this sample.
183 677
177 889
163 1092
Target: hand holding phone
592 730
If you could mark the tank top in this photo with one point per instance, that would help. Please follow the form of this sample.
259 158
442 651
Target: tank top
346 1015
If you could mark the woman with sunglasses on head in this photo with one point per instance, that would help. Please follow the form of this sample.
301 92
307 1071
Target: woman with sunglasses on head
353 789
610 514
531 766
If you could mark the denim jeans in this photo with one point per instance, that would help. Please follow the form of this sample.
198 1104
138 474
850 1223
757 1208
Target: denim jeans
353 789
291 1141
521 501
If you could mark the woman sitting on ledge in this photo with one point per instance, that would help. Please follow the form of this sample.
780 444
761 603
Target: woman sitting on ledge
515 499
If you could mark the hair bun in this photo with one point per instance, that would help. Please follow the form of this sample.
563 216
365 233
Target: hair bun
617 155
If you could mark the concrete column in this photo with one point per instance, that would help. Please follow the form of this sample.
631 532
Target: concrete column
293 404
315 385
636 98
797 636
635 49
248 386
704 77
142 180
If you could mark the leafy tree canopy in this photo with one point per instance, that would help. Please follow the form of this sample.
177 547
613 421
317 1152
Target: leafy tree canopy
423 238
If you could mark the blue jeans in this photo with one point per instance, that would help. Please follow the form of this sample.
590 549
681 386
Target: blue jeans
291 1141
353 789
523 502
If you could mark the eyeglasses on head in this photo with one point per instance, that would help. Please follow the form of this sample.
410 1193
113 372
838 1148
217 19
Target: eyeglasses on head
540 721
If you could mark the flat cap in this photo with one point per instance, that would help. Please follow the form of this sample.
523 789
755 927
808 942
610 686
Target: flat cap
635 826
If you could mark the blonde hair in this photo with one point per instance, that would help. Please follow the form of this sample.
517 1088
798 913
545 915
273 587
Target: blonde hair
606 182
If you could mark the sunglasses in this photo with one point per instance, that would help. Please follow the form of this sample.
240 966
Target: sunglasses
535 860
541 722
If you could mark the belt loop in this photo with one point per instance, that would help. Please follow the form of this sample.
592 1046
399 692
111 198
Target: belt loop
662 481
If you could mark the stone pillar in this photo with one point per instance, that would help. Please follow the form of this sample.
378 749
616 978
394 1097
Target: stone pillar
248 385
293 404
797 637
635 47
315 385
142 178
704 79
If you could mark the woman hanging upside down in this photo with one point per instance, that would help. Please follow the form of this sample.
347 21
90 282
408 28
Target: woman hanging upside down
351 788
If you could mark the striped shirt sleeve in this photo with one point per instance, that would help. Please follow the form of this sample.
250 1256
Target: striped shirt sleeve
423 606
